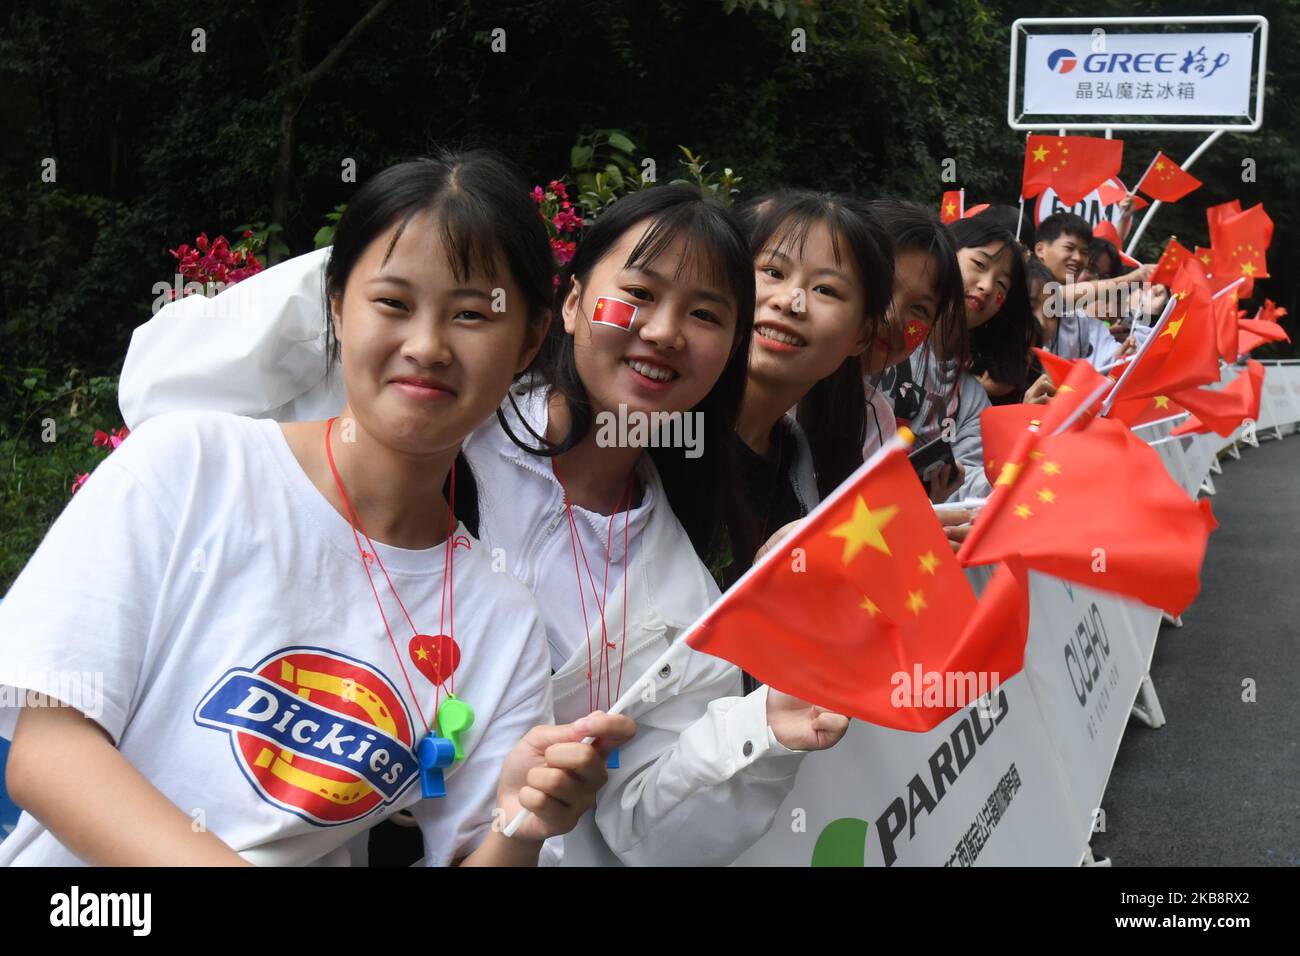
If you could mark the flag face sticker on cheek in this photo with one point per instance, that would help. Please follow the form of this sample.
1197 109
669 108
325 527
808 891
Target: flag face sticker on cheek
614 312
914 333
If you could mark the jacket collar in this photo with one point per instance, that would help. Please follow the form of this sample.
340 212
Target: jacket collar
676 586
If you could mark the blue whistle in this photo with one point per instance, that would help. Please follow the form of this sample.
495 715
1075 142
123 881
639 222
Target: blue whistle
434 753
611 762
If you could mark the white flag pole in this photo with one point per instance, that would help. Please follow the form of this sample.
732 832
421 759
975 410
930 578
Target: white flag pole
1229 287
896 442
1142 350
1150 165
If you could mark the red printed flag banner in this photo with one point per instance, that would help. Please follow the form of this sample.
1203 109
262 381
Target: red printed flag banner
867 589
1072 165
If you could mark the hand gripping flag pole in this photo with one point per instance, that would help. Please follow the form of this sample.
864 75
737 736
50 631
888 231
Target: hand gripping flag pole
903 439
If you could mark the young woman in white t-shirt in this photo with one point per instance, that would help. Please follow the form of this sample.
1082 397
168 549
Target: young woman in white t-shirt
709 767
255 626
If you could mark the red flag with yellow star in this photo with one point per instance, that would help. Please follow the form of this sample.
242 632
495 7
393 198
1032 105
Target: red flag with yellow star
1239 243
1223 410
1049 511
866 589
1072 165
953 206
1174 255
1136 412
1080 388
1252 333
1206 255
1183 354
1167 181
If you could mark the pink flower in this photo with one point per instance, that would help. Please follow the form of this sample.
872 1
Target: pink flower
248 234
81 480
558 188
538 195
100 440
202 242
563 251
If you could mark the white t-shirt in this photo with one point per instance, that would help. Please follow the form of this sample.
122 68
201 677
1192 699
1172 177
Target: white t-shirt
536 516
235 655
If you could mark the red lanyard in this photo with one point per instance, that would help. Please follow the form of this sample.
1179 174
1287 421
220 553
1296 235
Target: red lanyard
575 543
447 607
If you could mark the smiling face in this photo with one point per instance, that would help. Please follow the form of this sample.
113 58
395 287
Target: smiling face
679 341
986 280
911 313
421 349
809 311
1065 256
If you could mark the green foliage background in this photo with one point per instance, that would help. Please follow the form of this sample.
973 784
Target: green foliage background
155 143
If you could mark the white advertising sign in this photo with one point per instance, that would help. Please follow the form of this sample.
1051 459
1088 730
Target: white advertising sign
1138 74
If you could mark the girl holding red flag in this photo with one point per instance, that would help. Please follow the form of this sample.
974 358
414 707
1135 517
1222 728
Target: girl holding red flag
654 317
266 690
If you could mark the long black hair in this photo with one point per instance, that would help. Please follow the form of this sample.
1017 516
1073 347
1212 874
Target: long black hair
486 216
1000 347
833 414
915 228
701 491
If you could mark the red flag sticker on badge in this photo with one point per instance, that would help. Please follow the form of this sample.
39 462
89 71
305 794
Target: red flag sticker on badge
435 656
614 312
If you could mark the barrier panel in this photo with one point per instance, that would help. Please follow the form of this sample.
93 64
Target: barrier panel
869 800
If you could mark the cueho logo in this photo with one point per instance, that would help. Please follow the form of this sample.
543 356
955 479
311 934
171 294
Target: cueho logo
1062 60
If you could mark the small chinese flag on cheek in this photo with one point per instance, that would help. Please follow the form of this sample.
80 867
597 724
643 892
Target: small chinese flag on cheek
614 312
914 333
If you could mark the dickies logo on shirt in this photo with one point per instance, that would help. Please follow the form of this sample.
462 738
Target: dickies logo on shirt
318 734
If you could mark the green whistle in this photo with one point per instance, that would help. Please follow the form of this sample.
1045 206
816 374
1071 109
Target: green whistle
454 718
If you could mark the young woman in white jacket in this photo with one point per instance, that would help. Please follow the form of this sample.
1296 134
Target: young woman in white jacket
708 769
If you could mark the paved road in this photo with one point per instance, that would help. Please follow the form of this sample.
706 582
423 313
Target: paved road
1219 784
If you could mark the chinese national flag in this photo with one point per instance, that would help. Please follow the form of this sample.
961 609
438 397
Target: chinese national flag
1216 214
1224 309
953 206
1264 327
1111 194
1053 514
1002 427
1252 333
1239 243
615 312
1223 410
1185 353
1166 181
873 589
1167 267
1206 255
1106 230
1136 412
1072 165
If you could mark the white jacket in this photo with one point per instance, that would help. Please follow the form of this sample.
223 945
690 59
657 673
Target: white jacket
704 776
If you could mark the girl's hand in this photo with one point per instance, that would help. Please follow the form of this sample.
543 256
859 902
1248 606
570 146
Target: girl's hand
553 774
799 725
945 481
782 532
956 524
1040 392
1129 347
